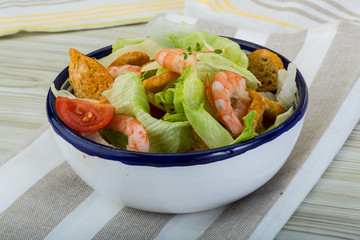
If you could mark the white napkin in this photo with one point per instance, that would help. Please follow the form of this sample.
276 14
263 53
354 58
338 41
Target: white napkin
45 198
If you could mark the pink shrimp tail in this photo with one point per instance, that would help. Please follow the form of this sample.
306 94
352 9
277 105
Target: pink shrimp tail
176 59
116 71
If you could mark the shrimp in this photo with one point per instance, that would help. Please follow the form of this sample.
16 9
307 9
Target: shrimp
115 71
137 136
176 59
229 99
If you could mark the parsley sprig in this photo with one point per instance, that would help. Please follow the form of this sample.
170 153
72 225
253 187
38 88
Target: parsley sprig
198 49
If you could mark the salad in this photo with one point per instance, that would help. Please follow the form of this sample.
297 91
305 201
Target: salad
178 90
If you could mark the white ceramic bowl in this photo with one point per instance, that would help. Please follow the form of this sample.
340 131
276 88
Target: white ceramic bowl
184 182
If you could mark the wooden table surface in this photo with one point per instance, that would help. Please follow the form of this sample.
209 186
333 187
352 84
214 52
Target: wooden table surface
31 61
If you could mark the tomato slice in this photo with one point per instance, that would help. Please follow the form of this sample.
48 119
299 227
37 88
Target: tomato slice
82 115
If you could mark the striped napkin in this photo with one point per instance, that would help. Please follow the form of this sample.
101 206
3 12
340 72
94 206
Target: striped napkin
63 15
274 16
45 199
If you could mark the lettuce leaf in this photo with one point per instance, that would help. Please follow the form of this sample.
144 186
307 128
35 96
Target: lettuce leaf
62 92
218 63
148 46
117 139
67 93
148 74
165 99
191 92
161 27
128 97
286 86
96 137
151 66
198 41
176 117
122 42
281 118
164 136
248 132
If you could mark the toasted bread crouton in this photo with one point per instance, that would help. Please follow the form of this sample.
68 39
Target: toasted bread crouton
87 76
131 58
265 65
258 105
272 109
157 83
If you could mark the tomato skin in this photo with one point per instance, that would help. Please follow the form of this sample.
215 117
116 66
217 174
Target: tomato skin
156 112
82 115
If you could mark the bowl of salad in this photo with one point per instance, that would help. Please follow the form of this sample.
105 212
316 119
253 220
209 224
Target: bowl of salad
177 122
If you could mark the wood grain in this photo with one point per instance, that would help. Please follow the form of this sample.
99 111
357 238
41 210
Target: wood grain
332 208
31 61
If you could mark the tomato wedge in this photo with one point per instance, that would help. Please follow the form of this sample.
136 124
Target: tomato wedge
82 115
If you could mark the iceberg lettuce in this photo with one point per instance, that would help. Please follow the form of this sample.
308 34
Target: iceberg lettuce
148 46
212 62
191 92
122 42
116 139
128 97
165 98
161 27
281 118
286 89
199 40
164 136
248 132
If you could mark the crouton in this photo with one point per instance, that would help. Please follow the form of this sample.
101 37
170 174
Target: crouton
158 82
272 109
131 58
265 65
87 76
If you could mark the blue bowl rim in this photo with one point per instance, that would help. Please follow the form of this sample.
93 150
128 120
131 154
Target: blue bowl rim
174 159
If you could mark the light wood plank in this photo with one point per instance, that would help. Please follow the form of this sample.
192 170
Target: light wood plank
332 208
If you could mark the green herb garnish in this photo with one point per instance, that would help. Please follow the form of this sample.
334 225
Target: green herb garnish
198 48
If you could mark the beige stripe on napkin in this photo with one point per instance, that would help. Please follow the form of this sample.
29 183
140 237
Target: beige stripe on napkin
336 76
142 225
44 205
288 45
300 11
